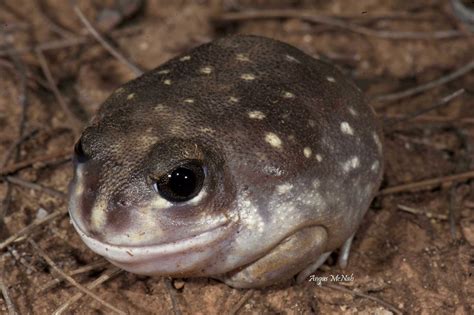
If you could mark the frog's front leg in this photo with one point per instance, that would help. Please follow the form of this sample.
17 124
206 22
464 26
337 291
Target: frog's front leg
284 261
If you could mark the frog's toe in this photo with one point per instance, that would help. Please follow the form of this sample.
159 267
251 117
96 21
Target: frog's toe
344 252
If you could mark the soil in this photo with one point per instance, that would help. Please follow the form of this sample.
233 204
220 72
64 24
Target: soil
416 263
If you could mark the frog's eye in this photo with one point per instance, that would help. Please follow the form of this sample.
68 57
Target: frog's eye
182 183
79 154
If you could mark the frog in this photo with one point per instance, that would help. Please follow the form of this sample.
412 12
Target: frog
245 160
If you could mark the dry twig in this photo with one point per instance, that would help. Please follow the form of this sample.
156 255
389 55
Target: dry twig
76 125
80 287
32 77
13 147
30 185
78 271
426 86
241 302
172 293
442 102
6 296
113 51
52 25
363 295
28 229
19 258
23 95
44 159
313 17
427 183
68 42
431 119
107 275
14 150
425 213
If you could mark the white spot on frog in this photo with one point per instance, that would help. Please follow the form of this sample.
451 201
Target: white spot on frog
233 99
242 57
189 100
185 58
130 96
206 70
307 152
351 164
167 82
273 140
284 188
164 71
346 128
331 79
375 166
352 111
377 142
119 90
247 76
319 157
255 114
287 94
207 130
160 107
291 59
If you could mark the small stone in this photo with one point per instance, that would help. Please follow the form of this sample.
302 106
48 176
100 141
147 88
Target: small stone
41 213
178 284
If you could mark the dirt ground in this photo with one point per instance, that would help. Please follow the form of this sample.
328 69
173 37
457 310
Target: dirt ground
414 252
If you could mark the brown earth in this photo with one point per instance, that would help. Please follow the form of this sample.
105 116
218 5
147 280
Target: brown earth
418 263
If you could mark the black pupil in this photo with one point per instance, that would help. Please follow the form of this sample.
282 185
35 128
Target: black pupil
182 182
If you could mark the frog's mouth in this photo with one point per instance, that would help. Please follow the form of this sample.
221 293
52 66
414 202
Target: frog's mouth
188 256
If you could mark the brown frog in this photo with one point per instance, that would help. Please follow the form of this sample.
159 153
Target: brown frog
245 160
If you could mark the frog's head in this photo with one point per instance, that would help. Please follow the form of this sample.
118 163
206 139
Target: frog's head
150 205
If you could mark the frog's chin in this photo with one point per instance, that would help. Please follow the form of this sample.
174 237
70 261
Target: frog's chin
193 256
